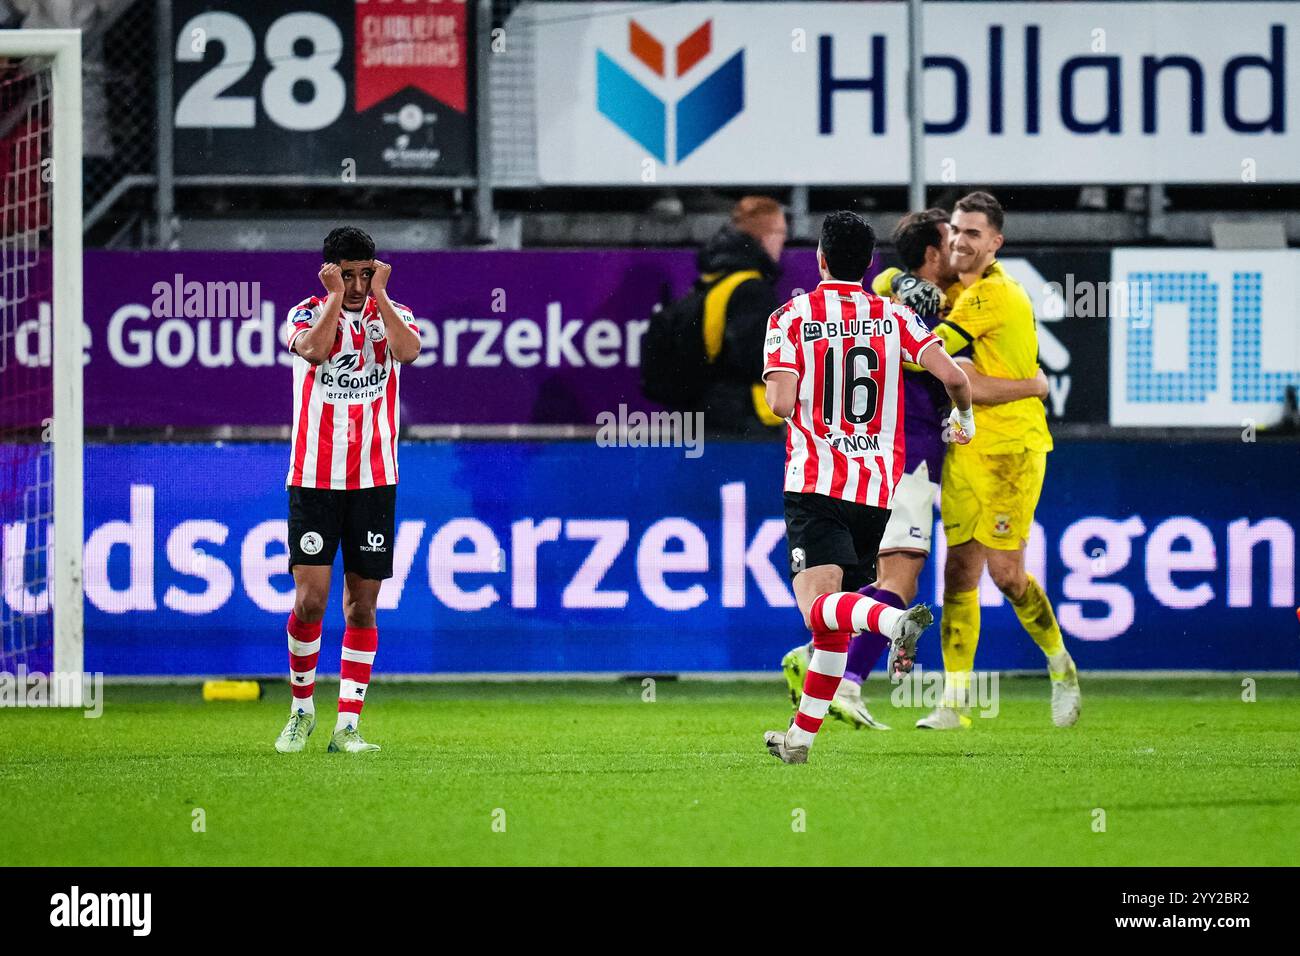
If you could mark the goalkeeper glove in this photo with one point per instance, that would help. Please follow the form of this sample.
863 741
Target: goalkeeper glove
923 298
962 425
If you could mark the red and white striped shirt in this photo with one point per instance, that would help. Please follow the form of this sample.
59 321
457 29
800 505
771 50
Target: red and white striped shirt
847 345
345 410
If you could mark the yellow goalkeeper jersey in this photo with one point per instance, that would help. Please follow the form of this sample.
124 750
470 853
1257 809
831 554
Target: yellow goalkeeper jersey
995 316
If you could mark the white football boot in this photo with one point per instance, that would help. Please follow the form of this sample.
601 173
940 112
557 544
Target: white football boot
293 738
944 718
346 740
1066 699
783 751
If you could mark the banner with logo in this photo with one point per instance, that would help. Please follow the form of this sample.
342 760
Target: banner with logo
193 339
701 93
325 88
1203 337
573 557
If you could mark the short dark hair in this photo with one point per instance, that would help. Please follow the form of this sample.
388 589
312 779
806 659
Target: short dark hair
916 232
848 242
982 202
348 242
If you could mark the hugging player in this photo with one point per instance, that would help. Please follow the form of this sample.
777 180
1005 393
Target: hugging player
348 350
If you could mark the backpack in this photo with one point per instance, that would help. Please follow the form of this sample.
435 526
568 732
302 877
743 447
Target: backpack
684 339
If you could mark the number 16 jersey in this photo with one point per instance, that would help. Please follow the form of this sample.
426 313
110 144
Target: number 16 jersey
845 437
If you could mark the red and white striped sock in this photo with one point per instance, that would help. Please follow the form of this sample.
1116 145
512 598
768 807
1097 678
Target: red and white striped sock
842 611
304 651
825 668
359 645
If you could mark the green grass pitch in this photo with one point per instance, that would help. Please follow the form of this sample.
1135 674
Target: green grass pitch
588 773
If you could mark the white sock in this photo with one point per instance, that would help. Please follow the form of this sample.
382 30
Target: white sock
796 736
1058 664
345 720
829 664
306 704
956 689
889 617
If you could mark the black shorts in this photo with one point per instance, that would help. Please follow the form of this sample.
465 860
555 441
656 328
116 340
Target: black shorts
821 530
362 519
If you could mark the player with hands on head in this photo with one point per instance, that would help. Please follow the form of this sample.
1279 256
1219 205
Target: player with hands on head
348 350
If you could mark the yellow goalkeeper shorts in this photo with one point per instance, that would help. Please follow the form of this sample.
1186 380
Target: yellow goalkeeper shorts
991 498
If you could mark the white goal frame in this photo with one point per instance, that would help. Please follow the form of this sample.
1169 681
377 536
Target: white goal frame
64 570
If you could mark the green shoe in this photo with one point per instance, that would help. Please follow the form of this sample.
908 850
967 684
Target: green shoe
795 665
348 741
294 736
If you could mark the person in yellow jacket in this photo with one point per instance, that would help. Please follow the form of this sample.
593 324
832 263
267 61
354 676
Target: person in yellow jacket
740 266
991 487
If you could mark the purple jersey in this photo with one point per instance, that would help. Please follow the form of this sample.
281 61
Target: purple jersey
925 413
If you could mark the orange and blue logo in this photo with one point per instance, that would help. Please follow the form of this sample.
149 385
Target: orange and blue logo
645 116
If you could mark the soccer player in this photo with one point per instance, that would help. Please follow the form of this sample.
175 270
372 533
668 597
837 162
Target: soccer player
832 367
348 349
921 241
991 488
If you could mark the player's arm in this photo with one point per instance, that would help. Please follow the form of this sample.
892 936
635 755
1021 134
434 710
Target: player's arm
317 342
991 390
941 365
782 387
782 362
402 340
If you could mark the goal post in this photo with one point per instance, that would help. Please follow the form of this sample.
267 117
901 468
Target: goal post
47 225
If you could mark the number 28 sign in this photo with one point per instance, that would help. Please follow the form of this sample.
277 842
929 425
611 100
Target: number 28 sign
328 89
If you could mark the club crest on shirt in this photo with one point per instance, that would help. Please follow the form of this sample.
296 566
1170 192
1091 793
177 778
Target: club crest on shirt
375 331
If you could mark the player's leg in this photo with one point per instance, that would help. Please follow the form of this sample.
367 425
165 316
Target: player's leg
903 549
906 543
313 543
834 617
1006 562
311 594
831 634
368 533
864 651
360 642
898 576
820 534
824 537
959 626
